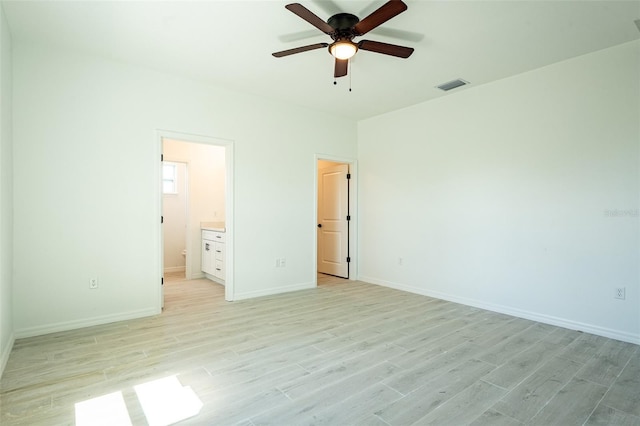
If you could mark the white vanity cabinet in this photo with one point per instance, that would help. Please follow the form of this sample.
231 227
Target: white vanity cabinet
213 255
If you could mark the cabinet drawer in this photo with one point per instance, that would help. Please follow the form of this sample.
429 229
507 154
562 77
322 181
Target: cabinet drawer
219 269
213 235
219 252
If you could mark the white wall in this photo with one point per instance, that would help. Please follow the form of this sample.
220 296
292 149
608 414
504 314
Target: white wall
206 189
6 196
75 115
504 195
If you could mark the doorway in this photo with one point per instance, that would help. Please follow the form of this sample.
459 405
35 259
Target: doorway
335 216
202 169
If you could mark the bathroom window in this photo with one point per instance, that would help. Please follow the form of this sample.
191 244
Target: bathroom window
169 178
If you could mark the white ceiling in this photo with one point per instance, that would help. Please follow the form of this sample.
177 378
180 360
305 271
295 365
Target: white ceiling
229 43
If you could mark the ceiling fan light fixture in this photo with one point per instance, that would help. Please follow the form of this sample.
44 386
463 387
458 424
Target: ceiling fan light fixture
343 49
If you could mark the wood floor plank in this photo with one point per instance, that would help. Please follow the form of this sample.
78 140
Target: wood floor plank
584 347
229 411
492 417
624 394
338 370
572 405
434 393
241 370
604 415
216 393
606 365
508 330
370 421
412 378
321 399
355 349
508 348
477 333
521 366
465 407
357 407
526 399
432 334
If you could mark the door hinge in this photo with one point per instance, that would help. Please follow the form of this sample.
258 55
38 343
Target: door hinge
162 281
161 219
161 157
348 217
348 259
348 175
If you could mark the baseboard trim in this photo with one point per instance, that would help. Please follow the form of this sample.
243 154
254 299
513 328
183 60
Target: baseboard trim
214 279
272 291
534 316
4 356
170 269
87 322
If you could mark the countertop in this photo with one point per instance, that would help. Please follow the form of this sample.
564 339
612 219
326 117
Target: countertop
213 226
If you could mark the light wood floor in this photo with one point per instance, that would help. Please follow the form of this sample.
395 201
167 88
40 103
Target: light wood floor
344 353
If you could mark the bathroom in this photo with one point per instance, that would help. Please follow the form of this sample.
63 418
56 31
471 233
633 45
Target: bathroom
193 194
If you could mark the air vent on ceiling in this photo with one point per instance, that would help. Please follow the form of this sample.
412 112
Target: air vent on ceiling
452 84
637 21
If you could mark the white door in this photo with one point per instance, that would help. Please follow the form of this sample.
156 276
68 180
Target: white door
333 224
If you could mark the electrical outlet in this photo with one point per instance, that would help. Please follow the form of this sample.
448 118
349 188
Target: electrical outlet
283 262
620 293
93 283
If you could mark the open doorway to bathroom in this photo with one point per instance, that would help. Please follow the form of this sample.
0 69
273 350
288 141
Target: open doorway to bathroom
195 195
193 180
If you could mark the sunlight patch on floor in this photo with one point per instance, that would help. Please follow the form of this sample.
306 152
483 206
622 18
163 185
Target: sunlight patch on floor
107 410
165 401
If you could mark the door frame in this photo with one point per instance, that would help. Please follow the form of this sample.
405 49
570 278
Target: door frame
229 145
353 212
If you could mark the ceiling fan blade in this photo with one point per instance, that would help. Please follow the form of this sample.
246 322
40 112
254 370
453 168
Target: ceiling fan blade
299 49
310 17
341 67
385 48
379 16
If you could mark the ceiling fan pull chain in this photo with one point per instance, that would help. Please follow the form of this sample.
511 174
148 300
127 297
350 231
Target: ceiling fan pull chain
350 74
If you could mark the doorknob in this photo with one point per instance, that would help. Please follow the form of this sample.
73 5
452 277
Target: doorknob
319 225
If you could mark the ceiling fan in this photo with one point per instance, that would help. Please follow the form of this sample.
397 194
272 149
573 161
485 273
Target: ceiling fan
343 28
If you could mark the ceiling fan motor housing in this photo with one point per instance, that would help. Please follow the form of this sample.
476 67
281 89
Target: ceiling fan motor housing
343 23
